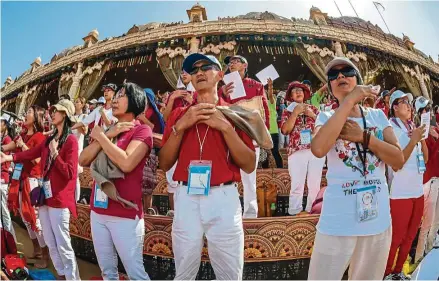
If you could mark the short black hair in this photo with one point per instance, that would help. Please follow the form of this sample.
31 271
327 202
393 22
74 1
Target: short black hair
136 98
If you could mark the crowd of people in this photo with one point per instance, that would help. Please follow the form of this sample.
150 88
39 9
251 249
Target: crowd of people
382 170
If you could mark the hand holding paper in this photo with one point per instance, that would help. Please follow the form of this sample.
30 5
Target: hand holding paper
238 90
425 120
268 72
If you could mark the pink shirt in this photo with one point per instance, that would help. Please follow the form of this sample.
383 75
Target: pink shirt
130 187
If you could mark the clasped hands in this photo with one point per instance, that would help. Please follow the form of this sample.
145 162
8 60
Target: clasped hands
203 113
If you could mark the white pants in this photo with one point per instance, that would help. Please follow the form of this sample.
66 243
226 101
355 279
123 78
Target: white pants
250 196
218 216
78 189
430 223
172 185
56 227
111 234
300 164
366 256
6 222
33 234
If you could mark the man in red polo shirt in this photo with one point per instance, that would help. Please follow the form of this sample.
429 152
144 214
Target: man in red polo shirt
254 99
210 153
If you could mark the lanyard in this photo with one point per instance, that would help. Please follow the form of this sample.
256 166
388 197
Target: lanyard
201 143
362 156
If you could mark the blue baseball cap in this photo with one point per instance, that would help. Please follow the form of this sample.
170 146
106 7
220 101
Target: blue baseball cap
192 59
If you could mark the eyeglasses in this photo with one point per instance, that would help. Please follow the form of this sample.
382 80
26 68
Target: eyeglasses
119 94
297 90
203 68
346 72
404 101
235 61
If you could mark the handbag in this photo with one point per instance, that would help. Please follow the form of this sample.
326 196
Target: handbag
150 180
267 197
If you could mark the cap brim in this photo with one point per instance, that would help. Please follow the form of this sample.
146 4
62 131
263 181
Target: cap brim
192 59
339 61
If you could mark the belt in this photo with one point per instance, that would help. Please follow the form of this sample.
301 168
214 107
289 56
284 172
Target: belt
222 184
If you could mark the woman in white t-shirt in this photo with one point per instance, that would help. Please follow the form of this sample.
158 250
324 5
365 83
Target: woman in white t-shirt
354 227
406 193
79 134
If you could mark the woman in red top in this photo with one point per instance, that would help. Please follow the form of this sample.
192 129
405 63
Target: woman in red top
59 164
19 200
117 228
8 239
298 122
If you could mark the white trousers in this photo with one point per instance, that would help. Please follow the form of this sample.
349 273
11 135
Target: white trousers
56 231
366 256
218 216
6 222
78 189
33 234
111 234
172 185
301 164
250 196
283 139
430 223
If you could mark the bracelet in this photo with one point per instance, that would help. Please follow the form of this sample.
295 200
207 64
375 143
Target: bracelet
174 131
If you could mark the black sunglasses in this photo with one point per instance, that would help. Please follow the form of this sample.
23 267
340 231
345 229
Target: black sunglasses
345 71
203 68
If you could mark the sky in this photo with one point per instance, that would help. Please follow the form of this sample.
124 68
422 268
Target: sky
32 29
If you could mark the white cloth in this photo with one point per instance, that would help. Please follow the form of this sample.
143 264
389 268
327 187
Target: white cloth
366 256
430 223
6 222
33 234
218 216
172 184
111 234
95 116
303 165
407 182
339 211
249 184
56 231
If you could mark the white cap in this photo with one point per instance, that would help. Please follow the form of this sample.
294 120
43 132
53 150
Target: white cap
410 97
421 102
101 100
397 95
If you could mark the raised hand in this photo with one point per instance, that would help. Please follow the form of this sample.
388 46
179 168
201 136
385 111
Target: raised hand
351 131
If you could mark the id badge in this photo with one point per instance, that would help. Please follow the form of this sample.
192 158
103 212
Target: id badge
421 163
101 199
33 183
305 136
199 177
17 171
47 189
367 203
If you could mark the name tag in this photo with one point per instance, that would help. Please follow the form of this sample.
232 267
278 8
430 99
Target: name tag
17 171
305 137
367 203
100 199
199 177
47 189
33 182
421 163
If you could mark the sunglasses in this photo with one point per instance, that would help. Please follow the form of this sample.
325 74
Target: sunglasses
346 72
203 68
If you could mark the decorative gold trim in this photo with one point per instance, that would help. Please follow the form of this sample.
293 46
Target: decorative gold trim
232 26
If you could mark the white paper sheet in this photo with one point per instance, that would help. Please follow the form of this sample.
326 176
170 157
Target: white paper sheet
268 72
180 84
425 119
190 87
291 107
238 90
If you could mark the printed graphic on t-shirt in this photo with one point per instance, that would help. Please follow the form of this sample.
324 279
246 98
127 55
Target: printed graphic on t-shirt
348 153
